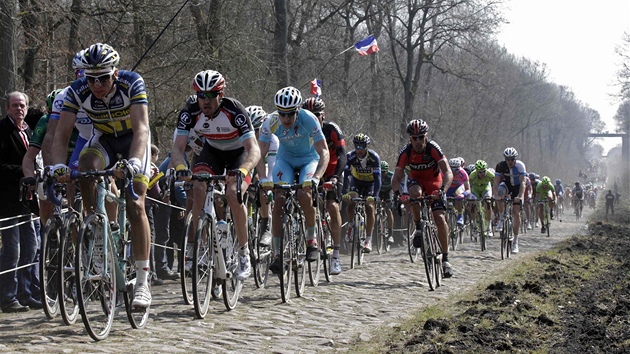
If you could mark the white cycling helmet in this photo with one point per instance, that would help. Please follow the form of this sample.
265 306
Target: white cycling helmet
510 152
455 163
101 56
257 115
79 61
288 99
208 80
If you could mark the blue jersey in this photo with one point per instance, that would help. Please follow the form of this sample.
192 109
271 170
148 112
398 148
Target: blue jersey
296 141
110 115
511 176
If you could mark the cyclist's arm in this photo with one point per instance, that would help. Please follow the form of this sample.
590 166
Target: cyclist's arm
521 187
495 185
48 140
253 154
139 114
63 131
396 179
28 161
324 157
177 151
260 167
447 174
342 159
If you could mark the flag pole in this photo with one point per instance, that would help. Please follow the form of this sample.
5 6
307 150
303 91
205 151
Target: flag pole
326 64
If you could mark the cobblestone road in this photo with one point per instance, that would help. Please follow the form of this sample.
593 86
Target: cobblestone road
381 292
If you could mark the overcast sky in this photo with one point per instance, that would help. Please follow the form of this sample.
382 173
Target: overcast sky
576 39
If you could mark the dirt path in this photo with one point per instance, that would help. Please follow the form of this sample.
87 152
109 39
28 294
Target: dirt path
328 318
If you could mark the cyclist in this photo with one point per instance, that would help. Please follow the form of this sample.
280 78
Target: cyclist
230 144
578 195
425 160
510 179
116 102
30 161
481 181
257 115
363 178
545 190
333 175
386 196
528 203
302 149
460 187
560 191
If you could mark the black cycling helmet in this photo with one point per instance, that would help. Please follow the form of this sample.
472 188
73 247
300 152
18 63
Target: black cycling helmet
314 104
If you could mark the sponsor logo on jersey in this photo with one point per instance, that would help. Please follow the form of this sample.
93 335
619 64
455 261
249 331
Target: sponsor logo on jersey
422 166
58 105
265 131
184 118
116 101
240 120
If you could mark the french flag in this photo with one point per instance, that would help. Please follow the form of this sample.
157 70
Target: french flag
316 87
367 46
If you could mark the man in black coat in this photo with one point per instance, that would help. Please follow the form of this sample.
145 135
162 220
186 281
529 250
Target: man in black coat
19 241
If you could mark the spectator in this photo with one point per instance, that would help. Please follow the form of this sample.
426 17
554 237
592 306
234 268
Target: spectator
19 242
610 203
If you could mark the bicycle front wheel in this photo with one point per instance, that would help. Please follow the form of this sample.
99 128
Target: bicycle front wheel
299 257
314 268
137 317
286 255
96 277
203 265
231 286
261 258
380 230
68 305
49 266
185 257
426 250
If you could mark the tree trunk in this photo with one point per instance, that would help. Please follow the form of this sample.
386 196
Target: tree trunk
7 54
280 44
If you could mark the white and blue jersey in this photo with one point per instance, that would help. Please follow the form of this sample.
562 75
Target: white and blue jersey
511 176
296 150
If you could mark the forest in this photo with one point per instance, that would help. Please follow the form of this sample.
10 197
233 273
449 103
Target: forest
438 61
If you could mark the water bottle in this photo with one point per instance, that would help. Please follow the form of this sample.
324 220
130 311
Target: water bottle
222 233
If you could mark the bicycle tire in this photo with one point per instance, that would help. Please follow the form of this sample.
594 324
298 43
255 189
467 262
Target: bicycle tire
411 250
504 243
299 256
353 242
69 307
138 318
185 256
231 286
203 265
286 254
49 266
362 234
261 260
96 290
482 230
437 254
452 235
314 268
327 249
427 256
379 230
509 232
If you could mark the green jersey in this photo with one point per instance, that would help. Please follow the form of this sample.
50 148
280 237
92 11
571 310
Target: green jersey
542 190
480 186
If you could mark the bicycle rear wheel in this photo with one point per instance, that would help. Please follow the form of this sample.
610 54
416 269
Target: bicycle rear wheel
286 255
185 257
299 257
231 286
96 277
49 266
380 230
203 265
68 305
411 230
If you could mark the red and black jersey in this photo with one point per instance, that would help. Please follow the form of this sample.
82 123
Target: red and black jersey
423 166
336 149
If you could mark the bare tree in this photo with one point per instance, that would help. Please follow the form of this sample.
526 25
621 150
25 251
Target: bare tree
7 54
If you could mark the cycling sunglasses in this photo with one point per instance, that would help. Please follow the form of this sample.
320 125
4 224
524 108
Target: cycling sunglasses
207 94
